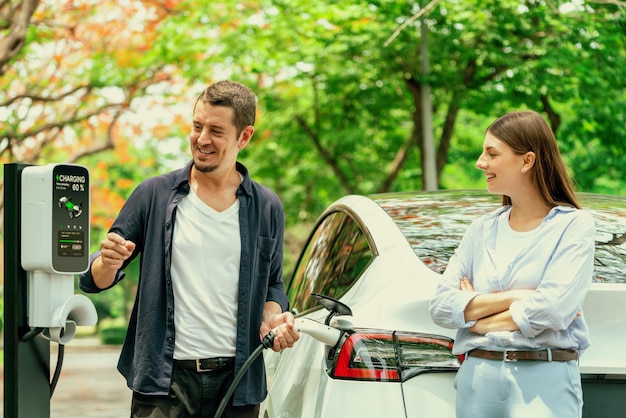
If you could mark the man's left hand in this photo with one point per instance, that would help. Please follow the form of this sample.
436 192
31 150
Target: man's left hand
283 327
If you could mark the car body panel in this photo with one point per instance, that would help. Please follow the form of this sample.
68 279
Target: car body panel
430 395
304 389
605 312
317 394
605 304
393 293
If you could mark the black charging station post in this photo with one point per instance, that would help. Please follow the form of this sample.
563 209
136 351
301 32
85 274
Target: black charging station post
46 220
26 363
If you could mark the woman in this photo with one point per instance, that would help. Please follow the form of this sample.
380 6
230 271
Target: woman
516 284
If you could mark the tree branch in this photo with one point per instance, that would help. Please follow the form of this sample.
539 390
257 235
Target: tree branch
62 123
555 118
326 156
108 144
42 99
615 2
410 20
18 15
402 155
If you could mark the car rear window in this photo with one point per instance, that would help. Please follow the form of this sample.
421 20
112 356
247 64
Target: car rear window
434 223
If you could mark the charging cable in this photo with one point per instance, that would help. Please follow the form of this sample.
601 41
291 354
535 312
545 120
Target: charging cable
267 342
321 332
60 354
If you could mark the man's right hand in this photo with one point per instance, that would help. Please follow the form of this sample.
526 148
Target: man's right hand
114 250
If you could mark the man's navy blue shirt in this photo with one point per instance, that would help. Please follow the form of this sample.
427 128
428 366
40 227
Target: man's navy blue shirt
148 219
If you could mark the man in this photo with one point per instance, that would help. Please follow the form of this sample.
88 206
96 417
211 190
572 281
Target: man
210 242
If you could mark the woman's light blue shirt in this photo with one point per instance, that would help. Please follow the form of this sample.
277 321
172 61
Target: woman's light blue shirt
558 263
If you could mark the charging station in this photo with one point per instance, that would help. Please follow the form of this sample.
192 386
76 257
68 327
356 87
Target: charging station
46 221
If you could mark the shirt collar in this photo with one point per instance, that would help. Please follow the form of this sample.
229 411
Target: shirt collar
182 177
553 212
246 184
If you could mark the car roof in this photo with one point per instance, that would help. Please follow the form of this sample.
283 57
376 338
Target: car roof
434 222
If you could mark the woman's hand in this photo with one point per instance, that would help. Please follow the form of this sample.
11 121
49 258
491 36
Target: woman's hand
465 284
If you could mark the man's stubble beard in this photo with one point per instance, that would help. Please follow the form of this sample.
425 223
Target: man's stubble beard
204 169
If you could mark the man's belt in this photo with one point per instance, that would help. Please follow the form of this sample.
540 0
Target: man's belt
522 355
215 364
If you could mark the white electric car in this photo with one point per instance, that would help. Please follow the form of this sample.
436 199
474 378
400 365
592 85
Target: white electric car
369 269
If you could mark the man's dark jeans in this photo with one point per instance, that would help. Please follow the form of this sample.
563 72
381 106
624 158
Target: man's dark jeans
192 395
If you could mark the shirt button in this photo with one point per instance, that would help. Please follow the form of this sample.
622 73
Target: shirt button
167 225
170 339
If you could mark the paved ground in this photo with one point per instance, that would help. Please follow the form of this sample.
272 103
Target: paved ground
90 385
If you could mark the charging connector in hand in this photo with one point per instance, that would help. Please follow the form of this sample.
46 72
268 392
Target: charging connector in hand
323 333
268 340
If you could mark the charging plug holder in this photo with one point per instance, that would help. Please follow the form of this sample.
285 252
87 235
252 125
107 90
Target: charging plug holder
53 305
55 246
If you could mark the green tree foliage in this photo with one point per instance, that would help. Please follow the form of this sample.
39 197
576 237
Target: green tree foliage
110 85
341 99
69 84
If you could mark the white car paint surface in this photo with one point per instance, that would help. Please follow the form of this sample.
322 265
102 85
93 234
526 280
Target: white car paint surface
410 237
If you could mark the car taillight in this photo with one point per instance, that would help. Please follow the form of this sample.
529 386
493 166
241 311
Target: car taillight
393 356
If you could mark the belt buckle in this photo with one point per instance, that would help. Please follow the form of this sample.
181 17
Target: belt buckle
510 356
210 366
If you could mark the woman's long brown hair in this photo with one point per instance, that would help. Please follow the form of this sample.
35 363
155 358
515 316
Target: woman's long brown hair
526 131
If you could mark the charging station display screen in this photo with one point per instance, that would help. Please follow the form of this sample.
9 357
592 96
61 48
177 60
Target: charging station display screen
71 244
70 218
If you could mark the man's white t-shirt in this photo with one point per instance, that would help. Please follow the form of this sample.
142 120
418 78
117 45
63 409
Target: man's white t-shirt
205 277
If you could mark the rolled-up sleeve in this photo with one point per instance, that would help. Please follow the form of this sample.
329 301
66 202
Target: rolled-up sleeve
128 224
567 279
85 280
